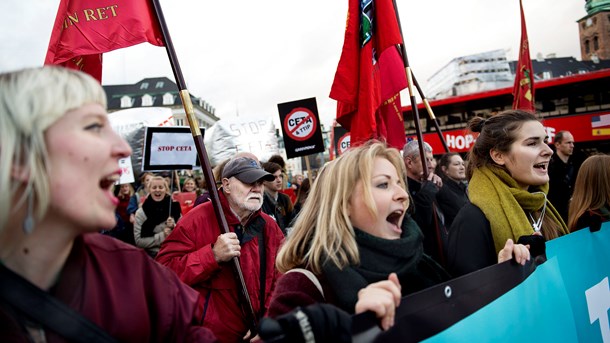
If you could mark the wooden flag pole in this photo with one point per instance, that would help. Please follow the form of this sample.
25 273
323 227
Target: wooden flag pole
429 109
205 165
405 61
308 165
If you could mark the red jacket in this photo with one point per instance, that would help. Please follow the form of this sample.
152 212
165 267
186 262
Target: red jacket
188 251
119 288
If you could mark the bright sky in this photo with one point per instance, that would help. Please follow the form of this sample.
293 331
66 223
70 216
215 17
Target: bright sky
244 57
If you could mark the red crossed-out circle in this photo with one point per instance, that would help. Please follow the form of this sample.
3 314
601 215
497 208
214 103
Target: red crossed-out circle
343 143
300 124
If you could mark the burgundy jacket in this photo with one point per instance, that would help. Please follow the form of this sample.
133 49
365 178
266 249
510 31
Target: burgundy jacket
188 251
119 288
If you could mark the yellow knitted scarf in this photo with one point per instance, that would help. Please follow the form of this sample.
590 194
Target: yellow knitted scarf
505 205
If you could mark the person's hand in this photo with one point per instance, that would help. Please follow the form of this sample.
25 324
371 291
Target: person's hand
170 223
520 252
247 337
132 218
435 179
382 298
167 231
226 247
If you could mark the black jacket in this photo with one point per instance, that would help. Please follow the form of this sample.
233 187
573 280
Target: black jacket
451 198
471 244
281 210
430 219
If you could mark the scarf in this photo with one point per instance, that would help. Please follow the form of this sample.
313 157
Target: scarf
157 212
378 258
505 205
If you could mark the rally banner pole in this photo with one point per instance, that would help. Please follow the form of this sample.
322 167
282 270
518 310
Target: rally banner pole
205 163
405 61
428 107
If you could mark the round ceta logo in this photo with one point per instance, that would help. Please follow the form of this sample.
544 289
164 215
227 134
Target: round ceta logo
343 143
300 124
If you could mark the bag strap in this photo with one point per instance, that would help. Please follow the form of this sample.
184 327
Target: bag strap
46 310
311 276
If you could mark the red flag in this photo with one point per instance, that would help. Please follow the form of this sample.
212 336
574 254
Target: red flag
523 90
83 30
370 73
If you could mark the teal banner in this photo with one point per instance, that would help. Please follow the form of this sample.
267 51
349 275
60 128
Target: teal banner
566 299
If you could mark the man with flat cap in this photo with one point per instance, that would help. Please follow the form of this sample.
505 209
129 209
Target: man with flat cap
201 255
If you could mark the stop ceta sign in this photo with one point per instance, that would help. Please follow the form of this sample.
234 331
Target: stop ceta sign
300 124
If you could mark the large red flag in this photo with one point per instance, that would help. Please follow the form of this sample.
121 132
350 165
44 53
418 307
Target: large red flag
371 74
84 30
523 90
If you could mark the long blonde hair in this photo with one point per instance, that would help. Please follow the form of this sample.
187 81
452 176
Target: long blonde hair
31 100
591 189
323 230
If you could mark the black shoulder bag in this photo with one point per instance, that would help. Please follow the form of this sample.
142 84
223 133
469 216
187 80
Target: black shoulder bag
46 310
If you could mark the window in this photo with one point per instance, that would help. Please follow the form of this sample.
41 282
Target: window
168 99
595 44
159 84
144 85
147 100
126 101
587 47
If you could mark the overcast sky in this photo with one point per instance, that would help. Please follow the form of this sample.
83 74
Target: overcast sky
244 57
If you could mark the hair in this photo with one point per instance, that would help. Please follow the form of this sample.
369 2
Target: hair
497 133
323 231
31 100
160 178
189 179
559 136
279 160
444 161
411 149
271 167
120 195
303 191
592 188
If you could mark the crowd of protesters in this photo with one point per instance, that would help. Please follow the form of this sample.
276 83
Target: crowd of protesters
371 228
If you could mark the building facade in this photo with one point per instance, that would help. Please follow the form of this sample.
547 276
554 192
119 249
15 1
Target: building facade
158 92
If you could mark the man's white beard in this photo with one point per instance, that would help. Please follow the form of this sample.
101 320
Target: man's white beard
252 207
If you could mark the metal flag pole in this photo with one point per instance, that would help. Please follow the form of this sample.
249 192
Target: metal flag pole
205 164
405 61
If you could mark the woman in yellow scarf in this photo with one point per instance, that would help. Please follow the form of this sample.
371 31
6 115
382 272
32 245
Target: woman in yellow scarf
508 172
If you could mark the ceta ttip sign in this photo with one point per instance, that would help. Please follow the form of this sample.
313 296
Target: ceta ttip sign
584 128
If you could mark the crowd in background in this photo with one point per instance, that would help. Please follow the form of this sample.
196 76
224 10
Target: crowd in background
375 224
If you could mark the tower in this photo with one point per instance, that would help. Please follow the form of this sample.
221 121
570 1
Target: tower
594 31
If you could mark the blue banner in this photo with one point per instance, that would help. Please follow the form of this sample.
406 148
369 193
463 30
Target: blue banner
565 300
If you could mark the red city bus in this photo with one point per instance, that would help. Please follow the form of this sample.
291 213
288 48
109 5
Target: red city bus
578 103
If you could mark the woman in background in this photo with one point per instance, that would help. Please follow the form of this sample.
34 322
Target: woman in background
55 134
157 217
590 204
452 196
137 199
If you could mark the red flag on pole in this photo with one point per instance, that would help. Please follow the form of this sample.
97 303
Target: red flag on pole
523 90
83 30
371 74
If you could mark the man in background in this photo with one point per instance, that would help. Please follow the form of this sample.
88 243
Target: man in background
562 173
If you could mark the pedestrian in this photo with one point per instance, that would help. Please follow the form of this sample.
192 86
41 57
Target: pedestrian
590 204
354 239
201 255
508 170
55 134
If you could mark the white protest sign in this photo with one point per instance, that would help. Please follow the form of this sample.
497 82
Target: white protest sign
168 148
126 171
